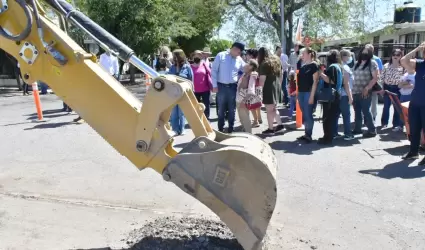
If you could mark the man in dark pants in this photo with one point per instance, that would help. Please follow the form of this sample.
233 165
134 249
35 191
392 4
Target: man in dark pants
224 75
284 60
417 101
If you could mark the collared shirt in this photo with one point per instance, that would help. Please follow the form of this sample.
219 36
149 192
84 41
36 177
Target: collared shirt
109 63
225 68
284 60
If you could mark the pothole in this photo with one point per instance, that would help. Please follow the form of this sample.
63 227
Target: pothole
172 233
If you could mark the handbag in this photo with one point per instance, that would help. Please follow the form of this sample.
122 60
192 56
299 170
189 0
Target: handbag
376 87
255 101
328 94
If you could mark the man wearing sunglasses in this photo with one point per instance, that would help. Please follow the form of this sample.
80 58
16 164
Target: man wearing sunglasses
417 101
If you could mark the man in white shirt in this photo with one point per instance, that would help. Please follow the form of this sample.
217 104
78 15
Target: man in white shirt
110 64
285 66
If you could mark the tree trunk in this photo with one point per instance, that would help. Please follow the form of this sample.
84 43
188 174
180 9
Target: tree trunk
289 45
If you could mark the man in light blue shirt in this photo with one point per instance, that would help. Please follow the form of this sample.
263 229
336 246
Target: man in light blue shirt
224 74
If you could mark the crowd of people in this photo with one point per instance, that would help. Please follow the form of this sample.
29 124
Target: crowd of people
245 80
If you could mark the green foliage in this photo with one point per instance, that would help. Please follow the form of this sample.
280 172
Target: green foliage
321 18
249 29
218 45
145 25
204 16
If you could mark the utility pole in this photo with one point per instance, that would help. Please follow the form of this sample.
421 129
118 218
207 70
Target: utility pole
282 25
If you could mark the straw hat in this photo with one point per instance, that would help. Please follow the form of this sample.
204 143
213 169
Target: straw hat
207 51
198 52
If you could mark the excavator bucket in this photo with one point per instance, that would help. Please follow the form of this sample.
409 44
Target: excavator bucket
235 176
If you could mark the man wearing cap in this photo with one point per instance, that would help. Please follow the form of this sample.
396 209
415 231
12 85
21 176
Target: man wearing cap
205 54
224 73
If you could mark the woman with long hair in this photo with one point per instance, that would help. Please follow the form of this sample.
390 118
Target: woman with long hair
270 72
417 101
365 77
391 77
308 78
180 68
332 78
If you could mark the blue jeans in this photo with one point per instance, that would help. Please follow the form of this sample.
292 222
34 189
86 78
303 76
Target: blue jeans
284 89
362 109
292 105
177 119
405 98
387 104
307 110
344 109
417 125
226 103
43 88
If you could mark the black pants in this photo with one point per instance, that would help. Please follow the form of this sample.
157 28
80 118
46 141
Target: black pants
25 88
330 111
417 125
204 97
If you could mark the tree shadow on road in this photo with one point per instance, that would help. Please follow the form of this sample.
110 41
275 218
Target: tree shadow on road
399 169
10 92
47 112
48 116
296 147
50 125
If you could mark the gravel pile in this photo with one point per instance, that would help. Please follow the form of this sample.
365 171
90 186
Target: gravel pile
172 233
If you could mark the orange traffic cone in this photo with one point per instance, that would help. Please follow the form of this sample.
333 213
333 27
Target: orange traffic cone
37 102
298 113
147 81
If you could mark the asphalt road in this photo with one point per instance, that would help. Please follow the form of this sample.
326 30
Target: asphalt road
63 187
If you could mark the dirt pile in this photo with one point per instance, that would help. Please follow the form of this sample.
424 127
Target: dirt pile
171 233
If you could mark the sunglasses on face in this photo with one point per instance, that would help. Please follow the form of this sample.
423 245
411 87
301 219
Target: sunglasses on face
396 54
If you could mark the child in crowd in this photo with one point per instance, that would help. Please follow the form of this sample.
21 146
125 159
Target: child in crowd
246 97
406 85
292 92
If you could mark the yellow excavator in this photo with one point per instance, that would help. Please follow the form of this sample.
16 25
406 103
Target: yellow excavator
234 175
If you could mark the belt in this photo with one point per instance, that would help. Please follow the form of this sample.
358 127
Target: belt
228 85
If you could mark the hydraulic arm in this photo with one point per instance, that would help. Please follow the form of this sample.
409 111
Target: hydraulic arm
233 175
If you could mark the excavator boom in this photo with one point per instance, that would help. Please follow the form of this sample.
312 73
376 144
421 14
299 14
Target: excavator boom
234 175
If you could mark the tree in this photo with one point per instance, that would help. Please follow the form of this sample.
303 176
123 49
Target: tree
339 15
204 16
218 45
141 24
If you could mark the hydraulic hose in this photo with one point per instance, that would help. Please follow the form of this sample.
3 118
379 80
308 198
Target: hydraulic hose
25 33
124 52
